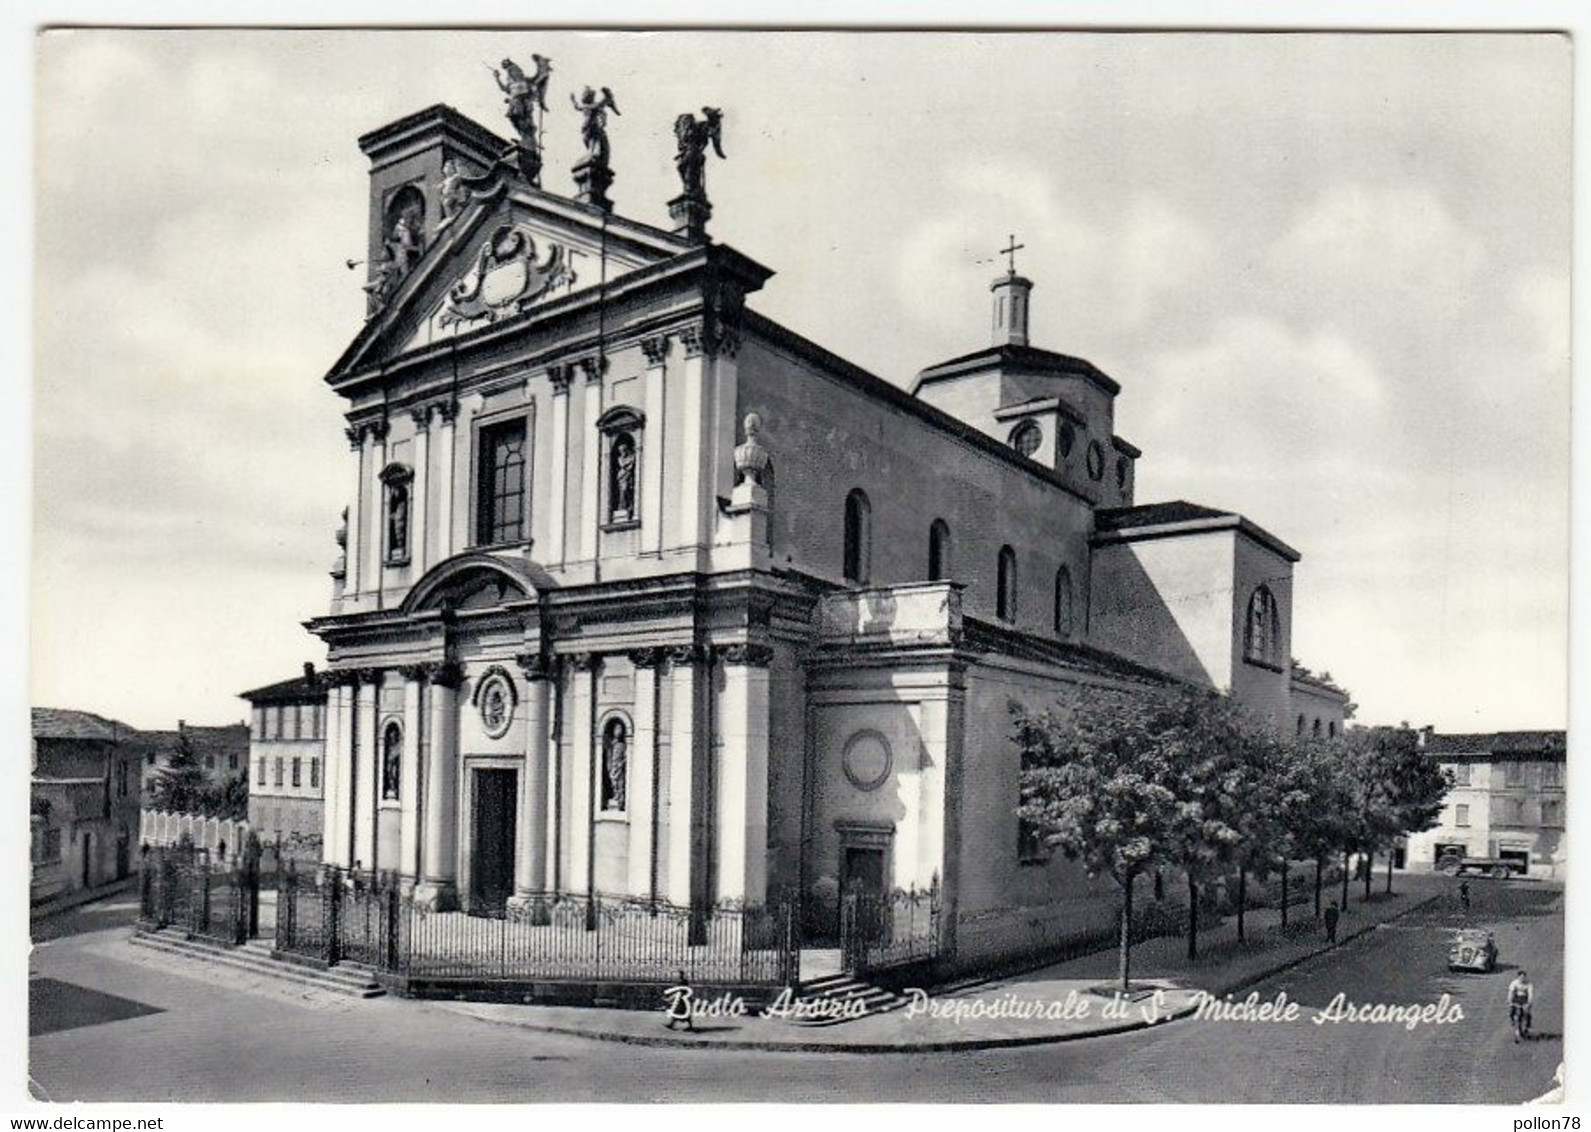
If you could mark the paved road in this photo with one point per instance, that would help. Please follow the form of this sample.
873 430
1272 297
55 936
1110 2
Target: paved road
111 1024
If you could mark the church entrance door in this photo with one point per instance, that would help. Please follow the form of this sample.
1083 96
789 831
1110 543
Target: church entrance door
492 839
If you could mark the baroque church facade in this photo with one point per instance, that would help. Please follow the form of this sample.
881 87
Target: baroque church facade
645 595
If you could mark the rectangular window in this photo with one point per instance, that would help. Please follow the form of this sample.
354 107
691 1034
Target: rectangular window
289 721
1552 776
279 763
314 773
257 727
1461 816
232 762
273 722
262 770
1551 812
500 483
121 778
1513 774
1461 773
298 772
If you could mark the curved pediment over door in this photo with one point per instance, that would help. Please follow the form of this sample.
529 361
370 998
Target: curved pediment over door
470 581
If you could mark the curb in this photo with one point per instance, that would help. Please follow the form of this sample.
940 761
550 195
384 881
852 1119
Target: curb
968 1044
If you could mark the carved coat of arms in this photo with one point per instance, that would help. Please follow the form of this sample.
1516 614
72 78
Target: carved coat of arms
506 278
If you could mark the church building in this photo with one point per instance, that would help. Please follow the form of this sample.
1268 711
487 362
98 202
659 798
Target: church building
643 594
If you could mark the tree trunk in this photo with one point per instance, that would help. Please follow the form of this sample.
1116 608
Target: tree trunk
1390 854
1193 917
1124 953
1286 872
1242 901
1347 862
1370 860
1319 870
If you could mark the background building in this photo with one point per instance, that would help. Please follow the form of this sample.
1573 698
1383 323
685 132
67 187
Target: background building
84 801
287 750
1507 800
222 752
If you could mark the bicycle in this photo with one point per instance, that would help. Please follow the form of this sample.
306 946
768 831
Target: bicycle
1519 1021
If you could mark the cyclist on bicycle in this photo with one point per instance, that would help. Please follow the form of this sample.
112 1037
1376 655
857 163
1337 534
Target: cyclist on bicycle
1520 995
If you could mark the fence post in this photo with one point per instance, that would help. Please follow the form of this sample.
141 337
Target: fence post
392 926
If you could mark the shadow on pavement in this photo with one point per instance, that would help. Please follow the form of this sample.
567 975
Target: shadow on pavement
54 1005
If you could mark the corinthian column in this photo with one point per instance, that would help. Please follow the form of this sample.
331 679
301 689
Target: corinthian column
445 481
438 887
376 511
420 491
353 557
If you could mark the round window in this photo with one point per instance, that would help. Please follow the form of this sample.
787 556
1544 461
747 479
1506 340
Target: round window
1025 438
1096 461
867 760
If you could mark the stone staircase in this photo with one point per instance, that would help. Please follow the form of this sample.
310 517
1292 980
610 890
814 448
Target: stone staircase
842 998
254 957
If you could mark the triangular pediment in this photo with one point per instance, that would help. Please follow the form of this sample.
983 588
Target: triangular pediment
501 259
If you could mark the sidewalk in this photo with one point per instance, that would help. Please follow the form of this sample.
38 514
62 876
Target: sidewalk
1053 1004
80 896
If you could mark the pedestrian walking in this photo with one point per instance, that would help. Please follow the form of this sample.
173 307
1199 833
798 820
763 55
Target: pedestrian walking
1463 894
1332 916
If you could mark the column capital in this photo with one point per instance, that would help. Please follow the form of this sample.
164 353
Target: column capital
560 374
593 367
341 677
379 429
444 674
356 436
413 672
685 654
586 661
421 415
535 665
648 658
370 676
745 653
692 340
447 411
655 347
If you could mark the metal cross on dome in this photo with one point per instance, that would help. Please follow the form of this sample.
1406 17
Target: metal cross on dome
1009 251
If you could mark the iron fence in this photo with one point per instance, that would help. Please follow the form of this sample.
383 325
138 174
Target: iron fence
183 887
340 916
883 930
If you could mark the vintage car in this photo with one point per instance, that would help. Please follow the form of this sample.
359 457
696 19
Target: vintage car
1498 868
1472 949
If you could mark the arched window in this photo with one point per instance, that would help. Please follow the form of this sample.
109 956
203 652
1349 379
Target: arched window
615 764
939 551
1331 729
1005 585
1025 438
1262 638
391 760
1063 602
1300 725
1315 730
858 537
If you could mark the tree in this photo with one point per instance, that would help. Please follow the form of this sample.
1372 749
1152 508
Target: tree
1096 783
1398 790
178 786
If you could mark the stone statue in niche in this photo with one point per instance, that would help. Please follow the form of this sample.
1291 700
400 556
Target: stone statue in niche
693 137
621 503
404 241
397 520
390 765
340 567
594 122
614 752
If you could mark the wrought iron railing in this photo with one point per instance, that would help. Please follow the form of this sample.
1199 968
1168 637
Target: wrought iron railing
883 930
334 915
182 887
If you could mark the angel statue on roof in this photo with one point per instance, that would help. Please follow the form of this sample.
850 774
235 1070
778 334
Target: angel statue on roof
594 122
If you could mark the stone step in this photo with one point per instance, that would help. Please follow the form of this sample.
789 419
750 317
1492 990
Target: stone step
255 958
858 999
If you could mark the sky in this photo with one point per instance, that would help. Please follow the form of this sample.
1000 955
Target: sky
1330 272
